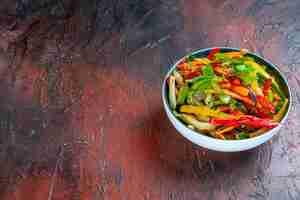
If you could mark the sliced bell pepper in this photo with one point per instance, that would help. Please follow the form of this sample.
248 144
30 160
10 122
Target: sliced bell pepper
191 74
282 111
183 66
204 111
261 113
236 81
261 71
267 87
204 61
276 118
225 109
182 94
212 53
256 122
234 54
248 120
266 105
225 85
240 90
246 100
224 122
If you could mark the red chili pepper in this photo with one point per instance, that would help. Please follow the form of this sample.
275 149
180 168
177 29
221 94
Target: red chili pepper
182 66
263 114
225 109
267 86
199 65
248 120
236 81
216 64
224 122
256 122
212 53
264 102
191 74
236 112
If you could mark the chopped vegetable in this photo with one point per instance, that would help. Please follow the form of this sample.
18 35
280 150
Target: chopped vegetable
211 55
240 90
281 112
246 100
266 105
172 92
203 111
225 130
178 77
248 120
226 95
208 70
225 99
201 126
267 87
204 61
242 136
182 94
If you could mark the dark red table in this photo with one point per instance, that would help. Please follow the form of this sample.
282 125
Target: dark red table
81 115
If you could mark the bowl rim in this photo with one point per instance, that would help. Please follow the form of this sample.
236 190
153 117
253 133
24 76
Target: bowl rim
270 64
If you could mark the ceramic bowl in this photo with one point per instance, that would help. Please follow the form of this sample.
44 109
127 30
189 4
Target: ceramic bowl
226 145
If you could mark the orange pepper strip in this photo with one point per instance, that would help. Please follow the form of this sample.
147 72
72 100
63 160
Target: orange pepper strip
224 130
240 90
247 100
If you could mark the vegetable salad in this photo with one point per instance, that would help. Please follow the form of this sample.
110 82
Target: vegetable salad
227 95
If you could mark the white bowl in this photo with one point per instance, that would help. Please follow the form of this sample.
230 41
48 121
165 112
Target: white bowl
217 144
